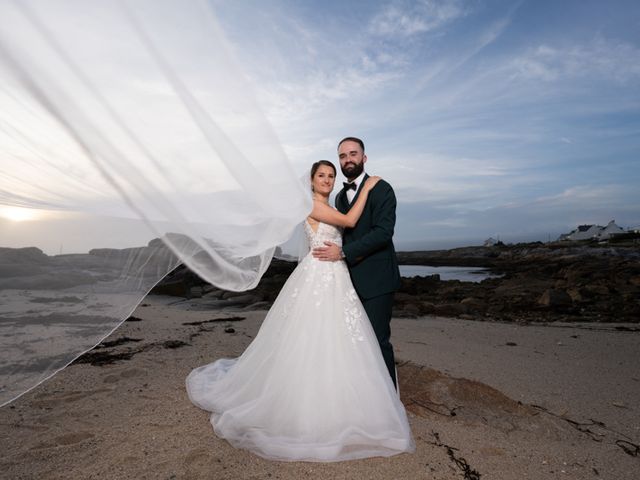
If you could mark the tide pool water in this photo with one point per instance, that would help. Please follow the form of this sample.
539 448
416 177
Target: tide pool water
464 274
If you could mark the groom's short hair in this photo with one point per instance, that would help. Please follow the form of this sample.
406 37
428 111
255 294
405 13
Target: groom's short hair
352 139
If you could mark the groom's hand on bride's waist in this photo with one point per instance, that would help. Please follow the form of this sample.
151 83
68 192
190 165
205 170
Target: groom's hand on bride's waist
329 253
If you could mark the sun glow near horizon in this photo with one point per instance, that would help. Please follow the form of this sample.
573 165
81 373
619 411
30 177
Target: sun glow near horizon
19 214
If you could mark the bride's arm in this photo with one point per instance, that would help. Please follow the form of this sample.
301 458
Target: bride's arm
324 213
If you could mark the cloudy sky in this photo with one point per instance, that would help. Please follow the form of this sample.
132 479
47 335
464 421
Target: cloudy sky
511 119
490 118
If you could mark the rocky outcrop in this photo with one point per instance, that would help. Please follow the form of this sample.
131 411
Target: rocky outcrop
22 256
183 283
31 269
538 283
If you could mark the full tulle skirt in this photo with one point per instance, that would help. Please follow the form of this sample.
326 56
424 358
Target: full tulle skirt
312 386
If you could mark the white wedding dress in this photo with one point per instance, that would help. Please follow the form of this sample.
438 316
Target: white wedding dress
312 386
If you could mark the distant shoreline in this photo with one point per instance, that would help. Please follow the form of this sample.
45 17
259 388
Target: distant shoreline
560 281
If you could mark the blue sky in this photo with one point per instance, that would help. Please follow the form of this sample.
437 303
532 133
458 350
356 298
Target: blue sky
489 118
510 119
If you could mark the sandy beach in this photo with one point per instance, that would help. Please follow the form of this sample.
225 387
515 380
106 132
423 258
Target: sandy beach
485 400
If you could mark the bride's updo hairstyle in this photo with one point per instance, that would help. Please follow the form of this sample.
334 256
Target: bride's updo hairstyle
315 166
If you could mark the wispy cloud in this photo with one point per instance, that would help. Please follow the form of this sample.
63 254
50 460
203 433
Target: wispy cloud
294 101
408 18
602 58
591 196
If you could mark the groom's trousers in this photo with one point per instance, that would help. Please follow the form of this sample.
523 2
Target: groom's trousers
379 312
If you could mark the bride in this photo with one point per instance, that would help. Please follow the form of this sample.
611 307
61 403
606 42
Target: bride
312 386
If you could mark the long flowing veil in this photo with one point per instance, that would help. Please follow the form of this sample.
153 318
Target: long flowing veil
297 246
126 124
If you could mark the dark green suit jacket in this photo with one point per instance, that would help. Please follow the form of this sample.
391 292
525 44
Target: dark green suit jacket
368 247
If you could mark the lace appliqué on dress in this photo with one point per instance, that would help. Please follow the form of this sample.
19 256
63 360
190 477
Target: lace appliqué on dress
323 276
353 316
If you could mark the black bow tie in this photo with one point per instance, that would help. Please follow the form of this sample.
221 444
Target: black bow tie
349 186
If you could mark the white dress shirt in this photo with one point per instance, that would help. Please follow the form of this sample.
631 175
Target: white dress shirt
352 193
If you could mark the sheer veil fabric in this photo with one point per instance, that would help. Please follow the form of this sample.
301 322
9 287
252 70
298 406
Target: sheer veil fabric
105 120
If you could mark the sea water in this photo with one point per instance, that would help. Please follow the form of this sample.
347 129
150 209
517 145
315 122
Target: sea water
464 274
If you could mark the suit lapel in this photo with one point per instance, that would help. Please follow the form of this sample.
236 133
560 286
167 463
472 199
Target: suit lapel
359 190
341 201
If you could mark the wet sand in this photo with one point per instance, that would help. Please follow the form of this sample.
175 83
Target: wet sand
485 400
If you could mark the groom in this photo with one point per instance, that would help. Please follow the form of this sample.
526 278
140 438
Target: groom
368 247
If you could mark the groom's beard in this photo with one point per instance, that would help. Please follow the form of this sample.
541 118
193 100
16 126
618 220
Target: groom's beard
352 170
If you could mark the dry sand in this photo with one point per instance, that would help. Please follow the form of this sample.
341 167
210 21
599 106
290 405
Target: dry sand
469 392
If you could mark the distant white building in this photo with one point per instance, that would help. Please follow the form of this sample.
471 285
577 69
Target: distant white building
593 232
490 242
584 232
610 230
